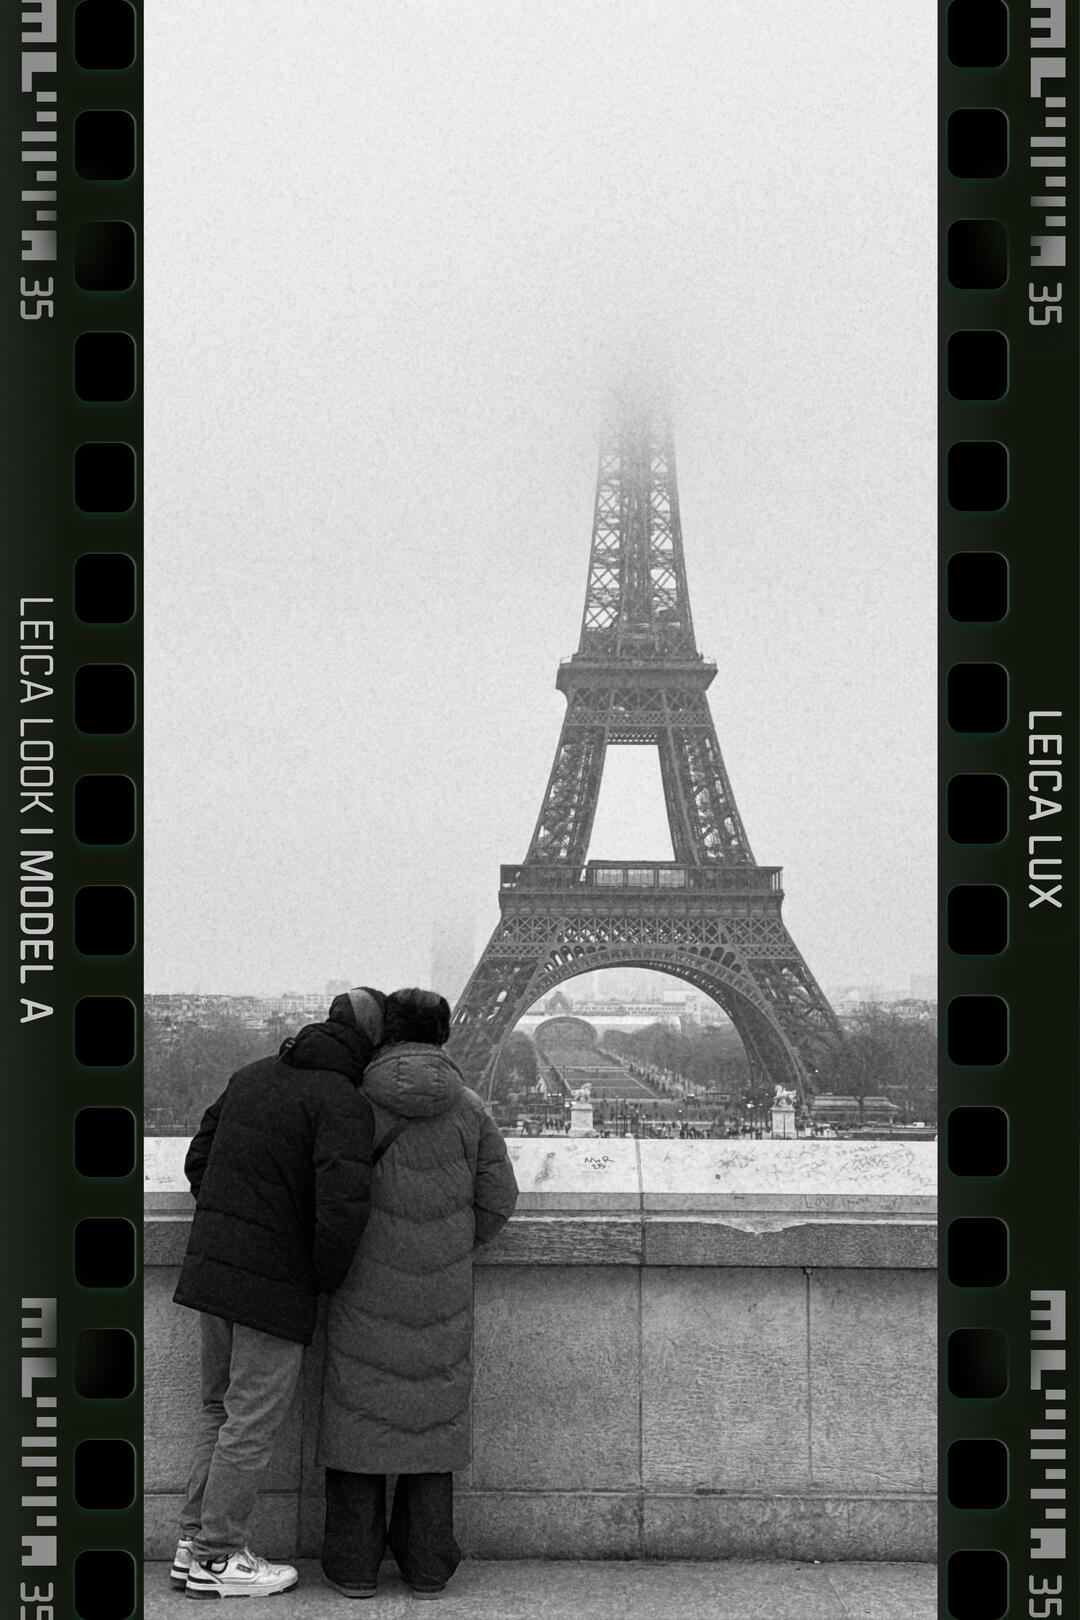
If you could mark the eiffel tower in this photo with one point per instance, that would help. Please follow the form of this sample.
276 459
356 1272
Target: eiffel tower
712 916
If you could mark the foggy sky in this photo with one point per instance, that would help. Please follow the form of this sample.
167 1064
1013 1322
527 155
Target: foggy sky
396 258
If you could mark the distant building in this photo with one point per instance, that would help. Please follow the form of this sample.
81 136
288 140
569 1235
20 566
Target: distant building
828 1108
914 1011
850 998
453 956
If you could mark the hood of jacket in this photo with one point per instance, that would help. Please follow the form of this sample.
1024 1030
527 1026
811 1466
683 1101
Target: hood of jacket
330 1045
414 1080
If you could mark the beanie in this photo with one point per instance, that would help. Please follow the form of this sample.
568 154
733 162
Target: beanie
362 1008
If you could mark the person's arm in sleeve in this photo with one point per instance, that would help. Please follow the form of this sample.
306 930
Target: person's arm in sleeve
495 1191
344 1138
199 1151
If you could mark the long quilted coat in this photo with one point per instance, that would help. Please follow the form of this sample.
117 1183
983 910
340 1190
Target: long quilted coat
399 1328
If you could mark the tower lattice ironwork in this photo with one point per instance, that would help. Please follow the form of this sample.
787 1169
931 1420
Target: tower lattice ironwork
710 917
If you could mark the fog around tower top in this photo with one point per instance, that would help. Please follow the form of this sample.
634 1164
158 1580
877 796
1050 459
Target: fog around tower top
399 262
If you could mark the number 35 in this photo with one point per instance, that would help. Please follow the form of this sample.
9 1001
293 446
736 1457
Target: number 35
1050 299
38 296
1050 1605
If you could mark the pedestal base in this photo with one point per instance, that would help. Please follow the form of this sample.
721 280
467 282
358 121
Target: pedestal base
581 1119
783 1122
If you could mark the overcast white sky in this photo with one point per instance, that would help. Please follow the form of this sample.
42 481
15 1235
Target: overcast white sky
396 255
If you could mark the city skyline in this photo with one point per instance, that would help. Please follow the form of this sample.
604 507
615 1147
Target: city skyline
919 986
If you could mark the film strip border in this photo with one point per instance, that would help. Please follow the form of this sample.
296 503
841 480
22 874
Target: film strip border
72 1304
1009 433
1008 447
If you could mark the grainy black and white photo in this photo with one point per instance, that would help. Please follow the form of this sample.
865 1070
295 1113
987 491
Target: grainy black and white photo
541 1013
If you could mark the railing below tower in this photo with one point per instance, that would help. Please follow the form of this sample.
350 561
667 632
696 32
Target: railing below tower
654 876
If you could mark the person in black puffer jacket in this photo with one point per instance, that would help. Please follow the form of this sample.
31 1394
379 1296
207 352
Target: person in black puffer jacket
399 1329
280 1169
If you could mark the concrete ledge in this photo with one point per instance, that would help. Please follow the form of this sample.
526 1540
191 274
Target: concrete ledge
592 1175
683 1350
581 1240
711 1240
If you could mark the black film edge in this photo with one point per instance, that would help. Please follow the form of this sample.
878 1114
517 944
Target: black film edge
1008 936
70 1350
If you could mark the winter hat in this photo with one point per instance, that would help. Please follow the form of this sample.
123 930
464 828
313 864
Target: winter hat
417 1015
361 1008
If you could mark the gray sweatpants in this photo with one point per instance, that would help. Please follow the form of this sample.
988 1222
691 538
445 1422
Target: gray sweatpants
249 1380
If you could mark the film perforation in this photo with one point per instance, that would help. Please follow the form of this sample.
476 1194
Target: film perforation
977 475
105 1581
977 1585
105 1364
104 478
977 697
977 1031
977 1141
977 365
104 367
977 1363
104 1252
977 254
104 1031
977 587
105 256
104 809
977 808
977 143
104 919
105 145
977 33
977 919
977 1475
104 588
977 1251
104 1475
104 35
103 1142
104 699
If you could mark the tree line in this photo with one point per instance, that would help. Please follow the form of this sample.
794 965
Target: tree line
885 1054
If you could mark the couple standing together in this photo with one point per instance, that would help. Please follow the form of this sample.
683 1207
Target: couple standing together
357 1164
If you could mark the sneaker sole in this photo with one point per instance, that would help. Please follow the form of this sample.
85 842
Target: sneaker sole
201 1593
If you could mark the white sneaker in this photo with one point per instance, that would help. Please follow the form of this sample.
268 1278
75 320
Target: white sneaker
240 1575
181 1563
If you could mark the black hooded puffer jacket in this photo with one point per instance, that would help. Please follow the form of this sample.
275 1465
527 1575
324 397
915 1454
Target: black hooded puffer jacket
399 1329
281 1172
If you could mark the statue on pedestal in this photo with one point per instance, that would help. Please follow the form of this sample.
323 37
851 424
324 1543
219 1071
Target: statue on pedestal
783 1112
581 1111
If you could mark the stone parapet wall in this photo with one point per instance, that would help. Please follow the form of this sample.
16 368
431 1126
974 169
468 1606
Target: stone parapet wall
682 1349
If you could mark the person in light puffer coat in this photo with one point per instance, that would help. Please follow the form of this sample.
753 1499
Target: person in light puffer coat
399 1328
